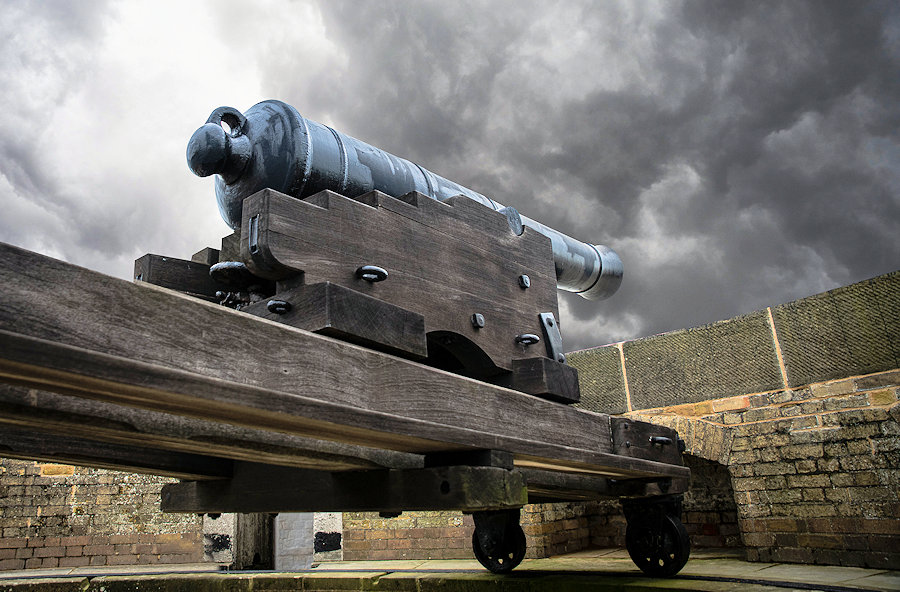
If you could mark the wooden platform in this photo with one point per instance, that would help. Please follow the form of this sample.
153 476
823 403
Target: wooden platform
108 365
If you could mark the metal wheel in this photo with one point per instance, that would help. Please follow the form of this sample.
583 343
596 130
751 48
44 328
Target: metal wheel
500 556
659 549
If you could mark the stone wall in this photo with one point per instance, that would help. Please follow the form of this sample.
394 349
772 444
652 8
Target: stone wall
815 471
62 516
798 402
850 331
412 535
550 529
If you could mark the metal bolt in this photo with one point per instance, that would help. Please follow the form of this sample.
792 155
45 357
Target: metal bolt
478 320
524 281
371 273
279 307
561 358
527 339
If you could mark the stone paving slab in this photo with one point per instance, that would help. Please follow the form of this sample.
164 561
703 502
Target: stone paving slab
591 571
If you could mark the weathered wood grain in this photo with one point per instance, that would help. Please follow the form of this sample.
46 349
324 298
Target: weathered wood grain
445 275
206 256
336 311
30 445
64 415
635 439
177 274
231 247
148 347
255 488
553 486
544 377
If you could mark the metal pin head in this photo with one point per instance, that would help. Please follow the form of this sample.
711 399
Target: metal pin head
279 307
478 320
527 339
524 281
371 273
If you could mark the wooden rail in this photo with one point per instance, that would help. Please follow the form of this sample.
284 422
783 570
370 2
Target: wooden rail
162 370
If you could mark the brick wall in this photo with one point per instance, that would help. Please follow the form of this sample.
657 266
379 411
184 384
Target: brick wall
550 529
798 403
815 471
412 535
62 516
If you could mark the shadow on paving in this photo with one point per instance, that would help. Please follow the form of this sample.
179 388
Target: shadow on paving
593 570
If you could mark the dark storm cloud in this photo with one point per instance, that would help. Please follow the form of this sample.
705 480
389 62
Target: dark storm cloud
736 154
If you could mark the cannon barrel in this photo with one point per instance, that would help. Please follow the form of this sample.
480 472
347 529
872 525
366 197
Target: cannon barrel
273 146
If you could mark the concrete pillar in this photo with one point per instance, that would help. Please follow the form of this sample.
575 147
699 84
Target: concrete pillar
293 541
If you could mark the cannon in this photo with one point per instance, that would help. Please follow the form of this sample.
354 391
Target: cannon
336 237
272 146
317 213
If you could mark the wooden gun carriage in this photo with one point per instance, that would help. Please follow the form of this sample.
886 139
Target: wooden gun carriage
362 353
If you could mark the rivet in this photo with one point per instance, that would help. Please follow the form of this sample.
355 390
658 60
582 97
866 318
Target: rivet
279 307
524 281
371 273
478 320
527 339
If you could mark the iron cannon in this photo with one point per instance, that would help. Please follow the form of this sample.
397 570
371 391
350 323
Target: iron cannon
272 146
411 279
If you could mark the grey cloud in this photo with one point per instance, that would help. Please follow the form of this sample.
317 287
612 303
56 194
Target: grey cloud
785 112
737 154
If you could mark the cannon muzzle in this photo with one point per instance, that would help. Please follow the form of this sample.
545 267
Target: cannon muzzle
273 146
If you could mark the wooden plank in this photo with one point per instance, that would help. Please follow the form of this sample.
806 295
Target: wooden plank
63 415
443 277
177 274
255 488
31 362
640 439
342 229
552 486
336 311
108 339
544 377
206 256
231 247
30 445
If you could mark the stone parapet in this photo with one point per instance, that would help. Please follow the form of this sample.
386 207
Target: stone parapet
55 515
848 331
798 402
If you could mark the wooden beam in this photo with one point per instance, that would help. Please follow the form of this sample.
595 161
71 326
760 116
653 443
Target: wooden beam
256 488
331 309
64 415
29 445
152 348
446 260
177 274
554 486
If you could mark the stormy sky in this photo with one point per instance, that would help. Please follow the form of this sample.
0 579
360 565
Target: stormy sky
735 154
